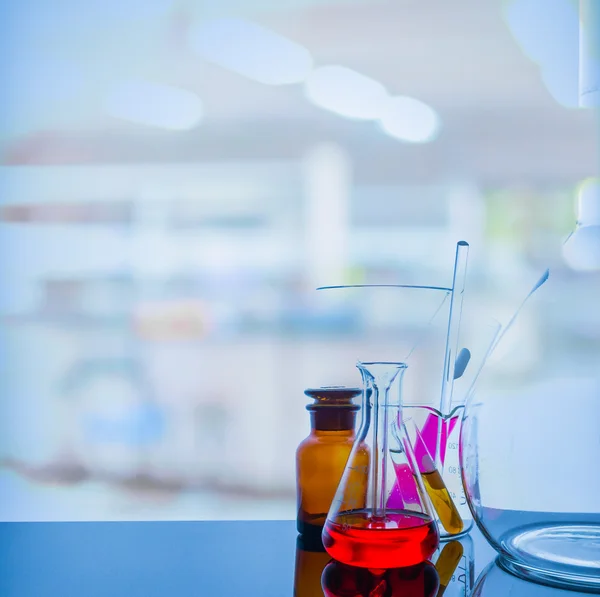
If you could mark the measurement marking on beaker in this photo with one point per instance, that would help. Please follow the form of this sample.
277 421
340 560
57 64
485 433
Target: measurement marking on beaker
361 469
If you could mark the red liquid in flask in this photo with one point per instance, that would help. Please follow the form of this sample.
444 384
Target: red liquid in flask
402 538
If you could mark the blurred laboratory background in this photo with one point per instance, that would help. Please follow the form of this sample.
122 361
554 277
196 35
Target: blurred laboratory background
178 176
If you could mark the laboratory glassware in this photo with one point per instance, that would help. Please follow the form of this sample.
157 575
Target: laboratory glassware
361 530
436 447
435 435
422 325
530 438
311 559
438 424
340 580
443 503
322 456
407 320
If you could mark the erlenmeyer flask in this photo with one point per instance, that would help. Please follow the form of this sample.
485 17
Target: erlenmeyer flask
361 530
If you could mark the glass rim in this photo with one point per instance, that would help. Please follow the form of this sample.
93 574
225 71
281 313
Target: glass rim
399 364
406 286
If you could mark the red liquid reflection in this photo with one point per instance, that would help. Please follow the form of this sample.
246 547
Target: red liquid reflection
402 539
339 580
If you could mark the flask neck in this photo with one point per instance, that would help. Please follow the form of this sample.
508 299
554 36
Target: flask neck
382 410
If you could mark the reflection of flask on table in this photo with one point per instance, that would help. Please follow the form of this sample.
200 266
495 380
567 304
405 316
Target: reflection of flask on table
455 566
322 456
311 559
340 580
361 530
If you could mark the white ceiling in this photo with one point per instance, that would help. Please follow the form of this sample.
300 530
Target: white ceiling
499 120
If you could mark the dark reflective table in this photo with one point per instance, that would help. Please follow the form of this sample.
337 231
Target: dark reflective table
221 559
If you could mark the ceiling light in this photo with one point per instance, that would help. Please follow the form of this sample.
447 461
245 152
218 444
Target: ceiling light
409 120
547 32
251 50
156 105
561 79
345 92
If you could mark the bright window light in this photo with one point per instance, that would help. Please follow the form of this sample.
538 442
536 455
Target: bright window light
561 79
345 92
409 120
582 250
155 105
588 202
251 51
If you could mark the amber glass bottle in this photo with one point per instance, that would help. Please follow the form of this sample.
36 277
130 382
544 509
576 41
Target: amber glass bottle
322 456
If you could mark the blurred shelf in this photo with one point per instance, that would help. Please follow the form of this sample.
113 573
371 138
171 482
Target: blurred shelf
68 474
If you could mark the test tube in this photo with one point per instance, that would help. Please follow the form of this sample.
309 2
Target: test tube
454 317
434 484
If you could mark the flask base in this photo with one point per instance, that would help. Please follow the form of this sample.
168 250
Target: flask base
403 538
446 537
565 556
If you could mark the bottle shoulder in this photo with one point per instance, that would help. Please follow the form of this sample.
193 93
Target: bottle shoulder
328 437
320 442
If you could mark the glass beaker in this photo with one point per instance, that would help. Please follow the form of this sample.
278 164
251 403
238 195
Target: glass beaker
443 501
411 322
435 439
530 443
361 530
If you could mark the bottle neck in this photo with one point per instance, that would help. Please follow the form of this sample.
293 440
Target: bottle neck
333 419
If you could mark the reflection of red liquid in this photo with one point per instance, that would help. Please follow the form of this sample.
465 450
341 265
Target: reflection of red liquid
403 538
339 580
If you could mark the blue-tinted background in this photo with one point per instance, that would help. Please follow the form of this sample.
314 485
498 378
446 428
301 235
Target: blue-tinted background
178 176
